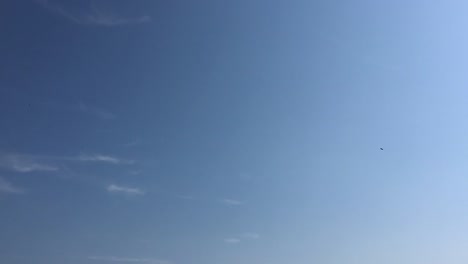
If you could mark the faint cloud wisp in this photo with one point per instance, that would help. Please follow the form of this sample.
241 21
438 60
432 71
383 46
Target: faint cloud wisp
131 260
23 164
36 163
232 240
124 190
231 202
8 188
237 239
103 158
90 15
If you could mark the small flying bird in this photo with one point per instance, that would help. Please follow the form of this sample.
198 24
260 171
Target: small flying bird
381 148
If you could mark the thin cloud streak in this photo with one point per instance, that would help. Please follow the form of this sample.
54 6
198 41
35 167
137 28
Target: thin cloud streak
41 163
24 164
131 260
8 188
124 190
134 172
103 158
231 202
239 238
92 16
232 240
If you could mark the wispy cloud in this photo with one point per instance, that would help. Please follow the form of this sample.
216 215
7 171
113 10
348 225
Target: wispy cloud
131 260
24 163
95 111
91 15
20 163
239 238
124 190
103 158
232 240
134 172
8 188
231 202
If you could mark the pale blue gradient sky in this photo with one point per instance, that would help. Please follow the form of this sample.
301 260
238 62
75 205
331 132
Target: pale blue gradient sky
208 132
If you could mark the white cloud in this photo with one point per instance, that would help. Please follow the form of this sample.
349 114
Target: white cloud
103 158
90 15
231 202
40 163
8 188
250 235
125 190
20 163
88 158
238 238
232 240
131 260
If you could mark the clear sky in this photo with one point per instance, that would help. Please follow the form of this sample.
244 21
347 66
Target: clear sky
227 132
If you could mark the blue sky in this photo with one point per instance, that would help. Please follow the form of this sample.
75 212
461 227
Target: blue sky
207 132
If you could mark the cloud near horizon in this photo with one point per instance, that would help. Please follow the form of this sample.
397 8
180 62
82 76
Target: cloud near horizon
90 15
